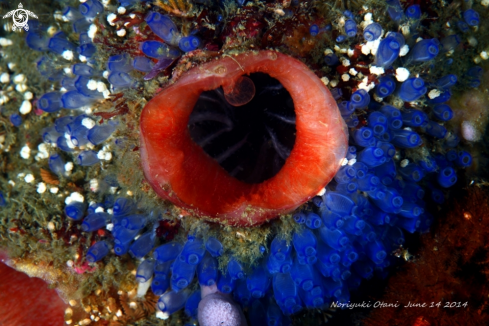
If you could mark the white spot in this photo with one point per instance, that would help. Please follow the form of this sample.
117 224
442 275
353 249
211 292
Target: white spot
469 132
11 65
345 77
344 162
68 55
434 93
352 161
367 17
28 96
325 81
99 210
143 288
92 85
404 50
328 51
121 32
404 163
321 192
54 190
82 58
88 123
41 188
121 10
21 88
484 55
5 41
20 78
110 227
105 74
25 152
11 182
132 15
110 211
29 178
92 30
350 52
376 70
472 41
74 197
94 185
352 72
345 62
5 78
402 74
25 108
110 18
101 87
333 83
69 166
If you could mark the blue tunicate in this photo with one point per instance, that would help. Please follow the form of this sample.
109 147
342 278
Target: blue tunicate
241 293
394 9
95 221
134 222
192 251
424 50
452 140
143 245
331 220
361 168
410 210
143 64
408 224
75 100
82 69
471 17
349 256
258 282
155 49
447 81
414 118
274 314
163 268
286 293
79 136
36 41
214 247
163 26
388 51
226 283
120 79
406 139
314 30
160 284
372 156
60 45
346 108
348 14
49 69
279 248
3 202
168 252
50 102
299 217
376 251
347 188
145 270
473 76
207 271
386 172
123 206
364 137
369 183
442 112
123 235
450 42
172 301
189 43
62 144
15 119
305 243
437 195
388 148
87 158
385 87
464 159
434 129
340 38
91 8
412 89
352 152
98 251
99 134
313 221
345 174
412 172
120 63
235 270
447 177
372 32
50 135
192 304
326 254
360 99
275 266
412 192
71 13
337 93
377 122
339 203
413 12
75 210
302 275
387 199
68 84
335 238
87 50
350 28
81 25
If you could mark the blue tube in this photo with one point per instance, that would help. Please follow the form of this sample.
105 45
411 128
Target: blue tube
81 25
360 99
145 270
207 271
155 49
87 158
82 69
98 251
71 13
313 221
412 172
364 137
143 64
162 268
447 81
450 42
314 30
471 17
189 43
388 199
79 136
331 59
352 121
305 246
424 50
258 281
369 183
163 26
68 83
393 116
274 314
412 89
327 255
214 247
412 192
406 139
442 98
299 217
50 102
372 32
434 129
339 203
388 51
377 122
414 118
50 135
120 80
193 251
81 85
413 12
167 252
95 221
388 148
331 220
335 238
56 164
134 222
376 251
286 293
302 275
49 70
385 87
464 159
98 134
394 10
473 76
226 284
63 144
172 301
361 168
160 284
275 266
280 249
120 63
386 172
75 210
346 108
60 45
143 245
192 304
235 270
372 156
121 248
345 174
91 8
36 41
352 152
123 206
442 112
340 38
241 293
351 28
123 235
411 210
75 100
447 177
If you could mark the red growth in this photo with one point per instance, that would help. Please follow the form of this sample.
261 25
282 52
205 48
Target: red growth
452 270
180 171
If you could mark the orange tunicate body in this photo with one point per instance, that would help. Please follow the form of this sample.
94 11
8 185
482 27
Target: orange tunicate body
180 171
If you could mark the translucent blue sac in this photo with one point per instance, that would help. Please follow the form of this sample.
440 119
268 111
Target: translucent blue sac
274 314
91 8
87 158
388 199
275 266
207 271
335 238
360 99
226 283
62 144
424 50
79 136
120 63
164 27
286 293
172 301
155 49
345 174
447 177
100 133
351 28
82 69
189 43
326 255
314 30
143 245
134 222
95 221
36 41
412 89
15 119
192 251
388 148
364 137
450 42
352 152
123 235
75 100
120 80
411 210
87 50
408 224
50 102
299 217
341 38
258 282
386 172
376 251
71 13
339 203
331 59
241 293
446 81
369 183
192 304
235 270
347 188
412 192
411 172
143 64
372 156
50 135
98 251
280 249
434 129
76 210
442 112
305 246
168 252
214 247
473 76
464 159
331 220
377 121
388 51
385 87
313 221
352 121
406 139
394 9
346 108
145 270
413 12
81 25
160 284
471 17
163 268
372 32
393 115
60 45
3 202
413 118
123 206
302 275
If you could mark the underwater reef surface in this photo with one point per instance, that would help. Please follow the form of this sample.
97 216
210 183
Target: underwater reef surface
245 162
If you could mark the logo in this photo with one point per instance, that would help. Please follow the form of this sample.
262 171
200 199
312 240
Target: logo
20 17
